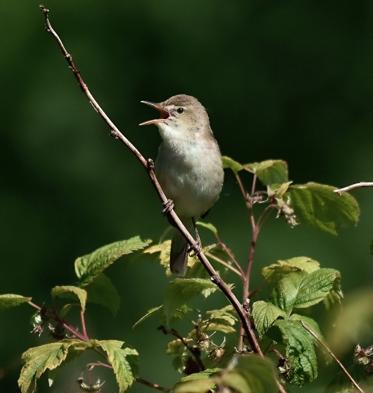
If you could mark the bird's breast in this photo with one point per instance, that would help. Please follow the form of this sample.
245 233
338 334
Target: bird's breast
191 174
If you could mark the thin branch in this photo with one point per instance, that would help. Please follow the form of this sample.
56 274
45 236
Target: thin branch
84 326
192 351
152 385
361 184
222 262
330 352
230 254
149 166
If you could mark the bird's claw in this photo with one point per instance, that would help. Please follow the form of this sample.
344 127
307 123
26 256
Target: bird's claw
168 206
150 163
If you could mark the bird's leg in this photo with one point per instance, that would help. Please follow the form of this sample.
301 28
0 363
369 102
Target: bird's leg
192 252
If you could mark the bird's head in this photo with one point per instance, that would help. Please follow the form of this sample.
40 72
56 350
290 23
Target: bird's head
180 115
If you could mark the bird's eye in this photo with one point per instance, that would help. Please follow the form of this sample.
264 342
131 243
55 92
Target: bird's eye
180 110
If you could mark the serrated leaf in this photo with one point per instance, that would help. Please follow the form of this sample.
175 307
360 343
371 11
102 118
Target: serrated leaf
9 300
45 357
316 286
122 367
147 315
181 290
318 205
102 291
230 163
89 266
163 249
221 320
302 290
269 171
70 291
274 272
251 374
264 314
300 351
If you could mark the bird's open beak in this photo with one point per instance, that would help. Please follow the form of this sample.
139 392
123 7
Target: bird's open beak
164 114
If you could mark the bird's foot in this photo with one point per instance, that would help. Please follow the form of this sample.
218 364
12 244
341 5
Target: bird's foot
168 206
150 163
195 249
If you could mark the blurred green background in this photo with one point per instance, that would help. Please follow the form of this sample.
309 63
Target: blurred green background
288 79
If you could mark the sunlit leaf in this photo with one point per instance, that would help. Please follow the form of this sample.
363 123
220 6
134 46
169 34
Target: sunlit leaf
269 171
45 357
71 292
197 382
230 163
319 206
300 352
9 300
102 291
277 270
264 314
89 266
123 367
163 249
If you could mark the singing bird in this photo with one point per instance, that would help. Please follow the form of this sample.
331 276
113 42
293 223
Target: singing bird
188 166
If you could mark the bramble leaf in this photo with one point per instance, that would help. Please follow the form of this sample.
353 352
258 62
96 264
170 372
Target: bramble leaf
318 205
302 290
274 272
251 374
221 320
230 163
269 171
9 300
102 291
46 357
210 227
300 351
264 314
71 292
181 290
89 266
122 367
164 254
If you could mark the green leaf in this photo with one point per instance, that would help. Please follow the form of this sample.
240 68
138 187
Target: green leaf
102 291
9 300
319 206
300 351
251 374
264 314
221 320
230 163
148 314
310 322
45 357
122 367
316 286
197 382
181 290
89 266
269 171
164 254
69 291
210 227
302 290
274 272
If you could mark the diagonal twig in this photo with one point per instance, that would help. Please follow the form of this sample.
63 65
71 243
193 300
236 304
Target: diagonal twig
354 186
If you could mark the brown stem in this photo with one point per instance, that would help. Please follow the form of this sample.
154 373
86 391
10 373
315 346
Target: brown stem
149 166
152 385
330 352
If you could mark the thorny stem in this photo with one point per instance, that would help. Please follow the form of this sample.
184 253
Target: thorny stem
351 187
330 352
149 167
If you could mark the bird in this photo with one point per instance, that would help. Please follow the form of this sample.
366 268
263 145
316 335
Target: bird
188 166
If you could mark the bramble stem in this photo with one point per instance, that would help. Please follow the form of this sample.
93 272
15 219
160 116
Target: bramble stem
354 186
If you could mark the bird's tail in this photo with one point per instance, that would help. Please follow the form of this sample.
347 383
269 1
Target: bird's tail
179 250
